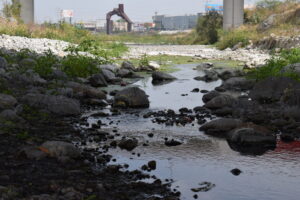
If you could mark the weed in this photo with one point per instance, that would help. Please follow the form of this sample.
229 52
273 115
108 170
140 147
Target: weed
144 60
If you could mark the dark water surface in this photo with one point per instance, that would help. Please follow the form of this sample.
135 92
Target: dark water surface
272 176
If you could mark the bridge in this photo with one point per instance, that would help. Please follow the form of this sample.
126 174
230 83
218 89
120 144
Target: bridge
233 15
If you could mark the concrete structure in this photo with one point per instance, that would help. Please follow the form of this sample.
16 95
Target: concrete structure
121 13
233 15
185 22
27 11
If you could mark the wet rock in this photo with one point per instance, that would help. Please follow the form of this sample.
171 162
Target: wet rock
204 187
128 65
110 77
252 139
220 127
196 90
209 76
58 105
272 89
210 95
128 144
132 97
10 115
112 68
287 137
220 101
152 165
204 91
7 101
238 84
161 76
171 143
226 74
203 66
124 73
60 149
85 91
236 171
97 80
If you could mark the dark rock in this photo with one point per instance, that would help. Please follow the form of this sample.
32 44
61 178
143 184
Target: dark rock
209 96
220 127
160 77
3 63
110 77
112 68
226 74
172 142
252 139
210 75
220 101
238 84
28 78
128 65
196 90
132 97
10 115
128 144
61 149
7 101
272 89
204 91
124 73
98 80
27 63
58 74
85 91
58 105
152 165
236 171
203 66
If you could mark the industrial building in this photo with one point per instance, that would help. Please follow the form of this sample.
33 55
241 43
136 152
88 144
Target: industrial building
184 22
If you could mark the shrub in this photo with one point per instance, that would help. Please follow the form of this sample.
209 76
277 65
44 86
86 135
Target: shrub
207 28
144 60
276 66
230 38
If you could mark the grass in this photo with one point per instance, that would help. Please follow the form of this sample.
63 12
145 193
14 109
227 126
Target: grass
276 66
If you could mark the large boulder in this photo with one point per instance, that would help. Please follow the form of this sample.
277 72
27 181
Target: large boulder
210 95
59 149
28 78
221 101
58 105
112 68
225 74
86 91
7 101
220 127
128 65
124 73
110 76
210 75
158 77
132 97
10 115
238 84
272 89
252 139
97 80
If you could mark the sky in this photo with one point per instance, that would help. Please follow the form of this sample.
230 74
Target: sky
137 10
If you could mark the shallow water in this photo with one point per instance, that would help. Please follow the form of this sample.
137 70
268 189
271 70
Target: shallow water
272 176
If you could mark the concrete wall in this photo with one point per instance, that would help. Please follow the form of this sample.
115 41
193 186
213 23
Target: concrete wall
27 11
233 13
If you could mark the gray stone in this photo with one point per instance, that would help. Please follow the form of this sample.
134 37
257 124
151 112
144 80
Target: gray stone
10 115
267 23
108 75
210 95
220 127
58 105
7 101
27 63
128 65
3 63
86 91
203 66
132 97
33 153
210 75
220 101
112 68
128 144
58 74
61 149
238 84
98 80
28 78
161 76
124 73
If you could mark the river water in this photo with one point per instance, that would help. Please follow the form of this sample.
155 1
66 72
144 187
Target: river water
274 175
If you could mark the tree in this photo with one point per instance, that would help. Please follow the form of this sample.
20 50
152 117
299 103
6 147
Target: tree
207 27
12 9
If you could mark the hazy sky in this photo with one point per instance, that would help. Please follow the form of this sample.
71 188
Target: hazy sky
137 10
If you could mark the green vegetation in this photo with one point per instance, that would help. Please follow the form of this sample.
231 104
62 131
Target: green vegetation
276 66
12 10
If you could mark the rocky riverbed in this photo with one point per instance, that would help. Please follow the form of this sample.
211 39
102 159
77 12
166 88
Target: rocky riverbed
134 133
